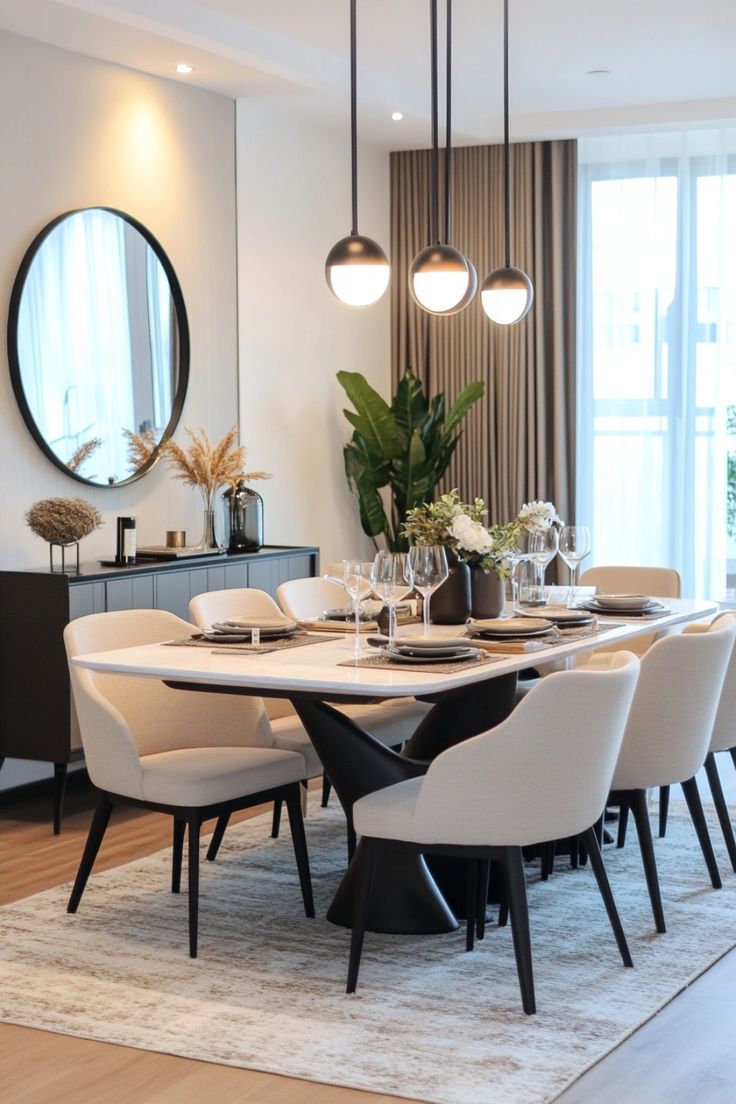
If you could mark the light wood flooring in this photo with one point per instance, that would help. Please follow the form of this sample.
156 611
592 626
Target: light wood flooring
687 1051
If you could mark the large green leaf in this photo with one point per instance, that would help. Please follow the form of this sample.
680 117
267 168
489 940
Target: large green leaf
378 424
409 406
361 480
464 401
404 473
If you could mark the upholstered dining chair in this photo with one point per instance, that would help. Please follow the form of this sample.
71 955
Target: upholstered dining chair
657 582
392 722
194 756
308 598
540 775
668 735
722 739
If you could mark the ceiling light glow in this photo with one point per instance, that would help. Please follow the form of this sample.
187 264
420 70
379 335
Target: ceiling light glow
397 116
182 67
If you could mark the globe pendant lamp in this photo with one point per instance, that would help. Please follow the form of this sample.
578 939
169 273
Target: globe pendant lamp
507 293
357 269
440 277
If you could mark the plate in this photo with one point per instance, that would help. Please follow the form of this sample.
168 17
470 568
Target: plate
222 629
262 623
422 642
511 626
563 616
457 656
438 653
622 601
345 614
227 638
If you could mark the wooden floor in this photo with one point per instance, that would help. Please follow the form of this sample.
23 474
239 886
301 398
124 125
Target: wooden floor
687 1051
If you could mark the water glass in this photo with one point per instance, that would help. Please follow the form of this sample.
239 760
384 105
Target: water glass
429 565
392 579
574 547
357 583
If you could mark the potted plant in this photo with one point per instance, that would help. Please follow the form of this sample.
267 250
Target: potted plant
405 447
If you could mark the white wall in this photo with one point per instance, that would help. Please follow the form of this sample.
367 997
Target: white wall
293 204
77 132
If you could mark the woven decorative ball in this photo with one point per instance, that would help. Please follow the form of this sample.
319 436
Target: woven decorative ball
63 520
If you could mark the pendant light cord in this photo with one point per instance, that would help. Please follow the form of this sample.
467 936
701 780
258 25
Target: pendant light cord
448 126
435 215
353 116
506 189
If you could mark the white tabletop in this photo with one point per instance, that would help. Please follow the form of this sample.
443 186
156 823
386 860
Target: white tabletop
316 668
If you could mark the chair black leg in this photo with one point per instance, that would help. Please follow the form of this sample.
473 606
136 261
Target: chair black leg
664 805
714 781
177 852
97 828
193 857
371 849
352 838
733 755
623 822
299 839
516 892
217 836
471 901
694 804
276 822
638 805
481 906
547 851
326 790
60 773
596 861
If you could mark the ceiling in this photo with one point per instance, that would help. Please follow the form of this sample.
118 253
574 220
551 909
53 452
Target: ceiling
668 61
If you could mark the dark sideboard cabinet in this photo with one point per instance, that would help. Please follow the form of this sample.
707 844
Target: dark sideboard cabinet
37 719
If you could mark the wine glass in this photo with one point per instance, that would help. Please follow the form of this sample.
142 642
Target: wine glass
391 578
429 565
574 547
356 576
541 548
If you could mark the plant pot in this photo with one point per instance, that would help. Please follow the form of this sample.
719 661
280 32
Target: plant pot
487 593
450 603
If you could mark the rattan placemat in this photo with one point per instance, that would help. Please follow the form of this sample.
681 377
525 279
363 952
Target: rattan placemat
385 663
298 640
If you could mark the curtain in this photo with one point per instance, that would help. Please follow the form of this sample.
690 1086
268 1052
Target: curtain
518 442
657 350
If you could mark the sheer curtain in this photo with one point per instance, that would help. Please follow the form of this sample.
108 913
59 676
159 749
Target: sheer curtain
657 349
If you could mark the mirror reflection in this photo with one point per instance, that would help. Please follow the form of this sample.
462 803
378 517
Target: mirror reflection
98 344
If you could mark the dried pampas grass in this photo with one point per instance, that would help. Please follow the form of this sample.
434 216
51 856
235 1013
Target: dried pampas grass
206 466
83 453
63 520
141 447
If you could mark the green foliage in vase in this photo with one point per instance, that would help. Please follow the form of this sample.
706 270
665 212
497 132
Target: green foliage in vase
405 447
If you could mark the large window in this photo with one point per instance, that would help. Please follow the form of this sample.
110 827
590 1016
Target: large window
657 351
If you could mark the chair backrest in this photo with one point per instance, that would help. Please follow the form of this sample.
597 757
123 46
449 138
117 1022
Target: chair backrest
662 582
544 773
671 720
122 718
219 605
307 598
724 727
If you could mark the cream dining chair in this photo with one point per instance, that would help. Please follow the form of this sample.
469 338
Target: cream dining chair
542 774
392 722
668 735
192 755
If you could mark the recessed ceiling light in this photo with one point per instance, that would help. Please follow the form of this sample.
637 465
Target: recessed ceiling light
599 72
397 116
182 67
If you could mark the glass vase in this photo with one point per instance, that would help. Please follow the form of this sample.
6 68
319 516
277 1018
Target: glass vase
208 539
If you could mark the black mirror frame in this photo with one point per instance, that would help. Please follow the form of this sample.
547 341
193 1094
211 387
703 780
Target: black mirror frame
183 343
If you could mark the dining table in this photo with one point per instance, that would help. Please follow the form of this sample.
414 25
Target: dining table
465 698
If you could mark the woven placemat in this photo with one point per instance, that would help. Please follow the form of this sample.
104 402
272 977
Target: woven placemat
298 640
440 668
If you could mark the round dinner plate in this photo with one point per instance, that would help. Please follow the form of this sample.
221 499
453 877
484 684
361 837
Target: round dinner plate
227 638
622 601
403 657
421 642
511 626
563 616
224 628
264 623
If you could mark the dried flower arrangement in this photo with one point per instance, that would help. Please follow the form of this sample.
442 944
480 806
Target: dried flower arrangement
63 520
141 447
83 453
209 467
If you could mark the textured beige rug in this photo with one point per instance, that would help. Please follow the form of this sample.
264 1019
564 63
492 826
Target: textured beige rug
429 1021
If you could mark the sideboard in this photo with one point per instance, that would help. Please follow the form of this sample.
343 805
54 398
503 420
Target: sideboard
37 717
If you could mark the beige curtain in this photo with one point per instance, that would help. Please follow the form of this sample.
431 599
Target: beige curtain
519 442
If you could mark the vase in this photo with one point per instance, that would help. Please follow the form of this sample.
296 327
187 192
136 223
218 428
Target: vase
487 593
450 603
208 539
243 514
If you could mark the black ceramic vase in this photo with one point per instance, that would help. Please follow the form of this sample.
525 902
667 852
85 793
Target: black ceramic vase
487 593
450 603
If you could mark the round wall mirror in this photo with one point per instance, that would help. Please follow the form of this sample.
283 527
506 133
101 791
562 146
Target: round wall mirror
98 344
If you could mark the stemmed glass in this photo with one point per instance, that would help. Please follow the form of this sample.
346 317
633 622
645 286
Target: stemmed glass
357 582
429 565
391 578
541 548
574 547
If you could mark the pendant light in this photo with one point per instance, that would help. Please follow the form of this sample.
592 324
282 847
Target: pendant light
440 277
507 293
356 269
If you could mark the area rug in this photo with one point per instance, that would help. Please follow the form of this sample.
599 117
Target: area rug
429 1021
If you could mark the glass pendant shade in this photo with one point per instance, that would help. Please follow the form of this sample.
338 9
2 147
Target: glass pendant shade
357 270
440 279
507 295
